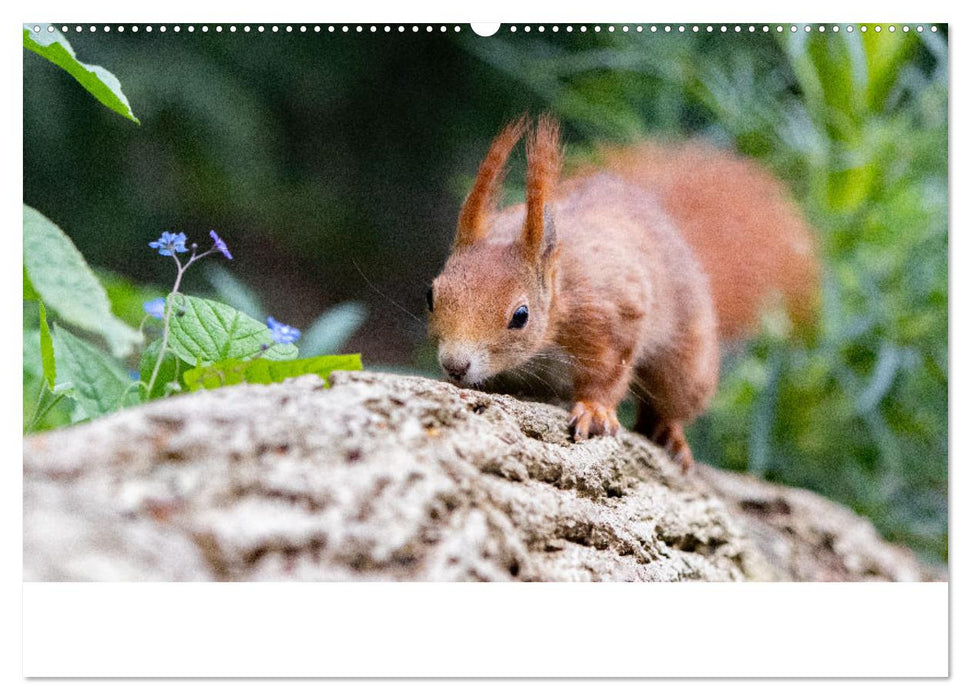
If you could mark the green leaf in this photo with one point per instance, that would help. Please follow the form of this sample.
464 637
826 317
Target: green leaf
885 56
168 372
43 408
99 82
33 365
332 328
30 294
47 349
68 286
100 382
263 371
204 331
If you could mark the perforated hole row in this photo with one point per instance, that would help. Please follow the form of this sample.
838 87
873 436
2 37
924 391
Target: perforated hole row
512 29
723 28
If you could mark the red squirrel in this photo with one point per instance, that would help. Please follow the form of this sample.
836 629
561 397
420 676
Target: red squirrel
636 268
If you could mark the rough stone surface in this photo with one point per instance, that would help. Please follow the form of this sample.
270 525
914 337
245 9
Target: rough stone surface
385 477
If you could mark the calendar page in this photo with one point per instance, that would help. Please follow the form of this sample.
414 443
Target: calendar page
522 302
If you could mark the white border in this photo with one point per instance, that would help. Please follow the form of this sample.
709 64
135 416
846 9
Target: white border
508 11
478 630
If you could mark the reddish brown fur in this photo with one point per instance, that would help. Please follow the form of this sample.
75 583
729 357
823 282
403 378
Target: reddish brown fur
748 234
654 259
544 160
481 200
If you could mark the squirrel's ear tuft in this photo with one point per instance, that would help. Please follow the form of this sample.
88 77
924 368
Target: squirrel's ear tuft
481 201
548 245
544 159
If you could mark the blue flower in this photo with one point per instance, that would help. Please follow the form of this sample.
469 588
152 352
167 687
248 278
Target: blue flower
170 244
155 307
220 245
281 332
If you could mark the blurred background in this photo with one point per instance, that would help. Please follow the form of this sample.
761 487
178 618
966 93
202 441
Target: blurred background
334 166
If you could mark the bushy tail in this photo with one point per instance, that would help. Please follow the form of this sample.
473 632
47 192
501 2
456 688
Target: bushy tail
743 225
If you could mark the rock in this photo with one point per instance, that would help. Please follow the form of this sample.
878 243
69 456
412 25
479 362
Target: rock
386 477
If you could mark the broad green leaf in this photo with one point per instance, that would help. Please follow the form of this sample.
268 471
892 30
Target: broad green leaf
99 82
332 328
205 331
47 349
168 372
100 383
33 365
235 292
33 375
77 413
263 371
68 286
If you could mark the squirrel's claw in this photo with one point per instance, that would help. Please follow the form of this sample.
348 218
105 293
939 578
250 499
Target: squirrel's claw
670 436
590 418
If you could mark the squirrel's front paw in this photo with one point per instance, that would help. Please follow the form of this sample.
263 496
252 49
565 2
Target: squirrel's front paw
589 418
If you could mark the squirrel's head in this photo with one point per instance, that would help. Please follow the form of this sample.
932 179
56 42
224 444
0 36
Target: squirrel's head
489 309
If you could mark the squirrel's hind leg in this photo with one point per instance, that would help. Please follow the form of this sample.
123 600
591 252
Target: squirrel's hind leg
674 387
668 434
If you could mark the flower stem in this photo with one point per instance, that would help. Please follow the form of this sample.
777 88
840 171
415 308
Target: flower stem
163 347
165 322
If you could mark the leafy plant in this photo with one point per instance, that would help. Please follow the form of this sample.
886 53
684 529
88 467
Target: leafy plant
101 83
56 272
201 343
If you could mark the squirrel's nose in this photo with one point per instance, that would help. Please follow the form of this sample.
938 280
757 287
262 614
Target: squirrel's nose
456 369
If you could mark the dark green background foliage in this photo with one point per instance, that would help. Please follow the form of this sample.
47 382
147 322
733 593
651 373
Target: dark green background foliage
334 165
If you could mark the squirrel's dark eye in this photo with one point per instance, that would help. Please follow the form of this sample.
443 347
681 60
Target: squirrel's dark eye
430 299
519 317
